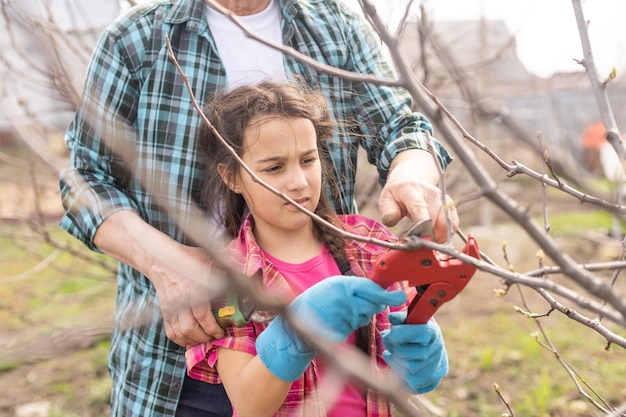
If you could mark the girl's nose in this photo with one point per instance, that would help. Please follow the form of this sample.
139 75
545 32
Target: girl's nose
297 179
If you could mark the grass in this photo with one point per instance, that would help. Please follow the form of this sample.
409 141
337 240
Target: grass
68 293
566 214
66 288
574 223
500 348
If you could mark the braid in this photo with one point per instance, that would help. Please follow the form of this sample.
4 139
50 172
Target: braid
336 245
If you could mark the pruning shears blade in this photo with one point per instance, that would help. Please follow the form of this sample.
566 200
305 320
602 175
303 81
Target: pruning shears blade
422 229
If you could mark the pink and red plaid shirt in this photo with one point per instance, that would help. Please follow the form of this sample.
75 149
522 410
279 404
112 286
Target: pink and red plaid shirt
303 398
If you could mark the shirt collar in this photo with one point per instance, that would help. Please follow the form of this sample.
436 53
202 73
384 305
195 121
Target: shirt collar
247 250
190 12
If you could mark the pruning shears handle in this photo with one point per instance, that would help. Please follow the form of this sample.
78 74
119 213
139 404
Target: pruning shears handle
232 311
437 277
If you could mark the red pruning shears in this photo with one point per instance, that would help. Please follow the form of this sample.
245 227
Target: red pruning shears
437 277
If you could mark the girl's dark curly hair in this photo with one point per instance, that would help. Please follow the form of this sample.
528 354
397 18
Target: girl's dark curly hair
231 114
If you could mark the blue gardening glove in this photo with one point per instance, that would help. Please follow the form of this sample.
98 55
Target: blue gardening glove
335 307
416 353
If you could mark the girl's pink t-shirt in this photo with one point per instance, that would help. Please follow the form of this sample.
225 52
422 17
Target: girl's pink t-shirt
351 399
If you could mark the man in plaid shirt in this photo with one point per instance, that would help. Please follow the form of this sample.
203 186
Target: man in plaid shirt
132 180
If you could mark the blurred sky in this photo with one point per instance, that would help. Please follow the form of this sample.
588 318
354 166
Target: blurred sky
546 31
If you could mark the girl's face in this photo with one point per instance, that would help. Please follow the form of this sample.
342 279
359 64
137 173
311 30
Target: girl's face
282 152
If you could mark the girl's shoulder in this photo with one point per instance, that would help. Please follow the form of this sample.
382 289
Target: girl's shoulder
244 251
362 251
366 227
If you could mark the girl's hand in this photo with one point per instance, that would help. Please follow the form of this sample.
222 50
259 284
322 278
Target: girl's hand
416 353
334 308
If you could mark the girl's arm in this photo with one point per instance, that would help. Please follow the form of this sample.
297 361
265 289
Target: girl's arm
257 385
253 390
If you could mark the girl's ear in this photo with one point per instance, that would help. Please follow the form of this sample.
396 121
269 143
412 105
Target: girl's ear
234 186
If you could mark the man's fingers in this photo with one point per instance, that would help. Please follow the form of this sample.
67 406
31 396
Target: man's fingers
405 196
174 332
390 210
440 221
184 330
192 330
411 205
200 305
402 199
205 318
417 209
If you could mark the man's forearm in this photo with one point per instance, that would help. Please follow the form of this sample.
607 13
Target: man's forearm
128 238
421 163
180 274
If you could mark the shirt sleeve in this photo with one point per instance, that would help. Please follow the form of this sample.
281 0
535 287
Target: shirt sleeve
385 114
201 359
100 141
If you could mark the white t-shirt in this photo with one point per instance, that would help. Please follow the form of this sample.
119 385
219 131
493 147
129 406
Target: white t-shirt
247 60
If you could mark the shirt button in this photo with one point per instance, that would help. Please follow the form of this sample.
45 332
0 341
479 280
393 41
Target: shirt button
176 386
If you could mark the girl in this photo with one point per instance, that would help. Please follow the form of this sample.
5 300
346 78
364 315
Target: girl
279 133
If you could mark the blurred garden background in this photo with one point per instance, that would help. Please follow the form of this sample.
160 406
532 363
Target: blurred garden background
510 351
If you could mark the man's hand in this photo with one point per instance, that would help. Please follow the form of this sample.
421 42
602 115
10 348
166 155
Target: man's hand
180 274
411 191
184 286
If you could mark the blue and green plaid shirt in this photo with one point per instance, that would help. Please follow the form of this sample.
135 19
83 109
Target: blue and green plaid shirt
135 95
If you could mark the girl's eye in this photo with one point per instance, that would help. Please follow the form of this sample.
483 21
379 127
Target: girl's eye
307 161
272 169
